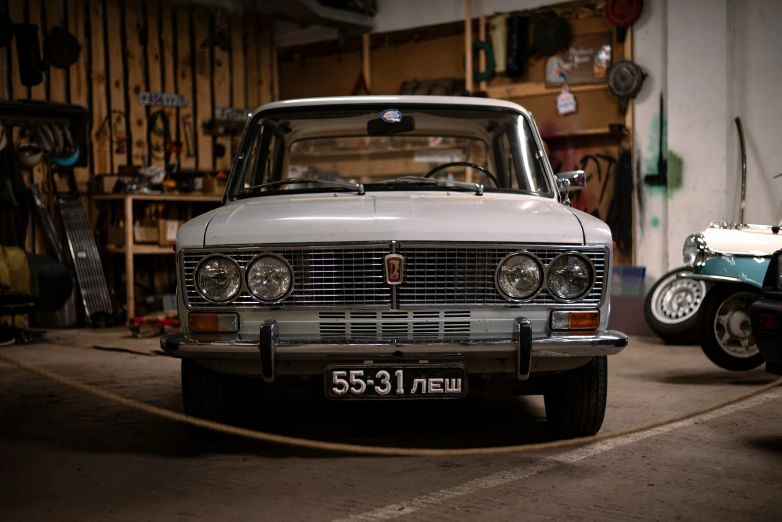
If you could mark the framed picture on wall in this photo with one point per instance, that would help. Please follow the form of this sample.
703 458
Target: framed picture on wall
585 61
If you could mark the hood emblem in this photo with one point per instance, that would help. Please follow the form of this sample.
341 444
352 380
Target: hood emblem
395 268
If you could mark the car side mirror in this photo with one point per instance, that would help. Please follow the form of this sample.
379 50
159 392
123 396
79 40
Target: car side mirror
571 181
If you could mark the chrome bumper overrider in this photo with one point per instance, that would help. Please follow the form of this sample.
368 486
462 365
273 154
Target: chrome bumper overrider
520 345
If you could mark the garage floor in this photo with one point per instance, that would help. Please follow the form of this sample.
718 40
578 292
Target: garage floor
68 456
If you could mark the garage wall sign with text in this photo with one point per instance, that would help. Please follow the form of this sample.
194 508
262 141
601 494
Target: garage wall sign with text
585 61
162 99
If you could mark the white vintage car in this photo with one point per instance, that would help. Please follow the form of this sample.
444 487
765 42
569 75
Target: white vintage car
393 247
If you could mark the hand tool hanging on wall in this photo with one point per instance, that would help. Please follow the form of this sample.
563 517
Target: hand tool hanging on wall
188 130
61 48
623 14
498 29
551 34
28 53
158 124
625 80
516 50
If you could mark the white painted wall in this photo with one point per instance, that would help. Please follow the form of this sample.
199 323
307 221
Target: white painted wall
651 206
757 73
700 114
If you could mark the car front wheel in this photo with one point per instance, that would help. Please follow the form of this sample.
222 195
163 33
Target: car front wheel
725 327
576 399
671 307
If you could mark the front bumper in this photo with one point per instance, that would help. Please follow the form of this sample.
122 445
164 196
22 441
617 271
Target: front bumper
769 343
521 346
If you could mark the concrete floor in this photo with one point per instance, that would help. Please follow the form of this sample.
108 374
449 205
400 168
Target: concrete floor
68 456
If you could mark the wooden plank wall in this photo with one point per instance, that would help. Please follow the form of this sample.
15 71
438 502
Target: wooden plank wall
129 46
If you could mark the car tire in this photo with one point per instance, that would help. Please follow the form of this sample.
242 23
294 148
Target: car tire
576 400
205 394
716 299
671 307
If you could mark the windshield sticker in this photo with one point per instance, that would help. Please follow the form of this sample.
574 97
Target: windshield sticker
391 116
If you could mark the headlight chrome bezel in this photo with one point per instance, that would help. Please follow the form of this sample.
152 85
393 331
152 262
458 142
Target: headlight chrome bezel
701 254
246 274
238 272
582 295
541 269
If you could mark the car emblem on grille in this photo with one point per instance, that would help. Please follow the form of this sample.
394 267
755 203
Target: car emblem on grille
395 266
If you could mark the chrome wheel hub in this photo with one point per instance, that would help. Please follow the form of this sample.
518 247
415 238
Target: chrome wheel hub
733 325
676 300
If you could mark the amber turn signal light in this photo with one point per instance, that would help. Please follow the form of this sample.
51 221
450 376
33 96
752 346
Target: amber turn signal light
213 323
566 320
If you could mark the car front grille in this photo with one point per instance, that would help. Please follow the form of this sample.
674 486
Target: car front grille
464 276
323 277
442 275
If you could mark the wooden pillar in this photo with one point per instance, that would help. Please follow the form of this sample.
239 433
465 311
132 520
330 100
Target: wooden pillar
365 63
275 75
468 46
130 286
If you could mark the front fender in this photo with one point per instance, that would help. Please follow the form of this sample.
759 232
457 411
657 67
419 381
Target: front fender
746 269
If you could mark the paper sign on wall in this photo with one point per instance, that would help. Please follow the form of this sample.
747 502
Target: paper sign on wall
566 102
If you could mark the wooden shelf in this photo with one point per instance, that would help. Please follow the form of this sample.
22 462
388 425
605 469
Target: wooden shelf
157 197
140 249
583 132
533 89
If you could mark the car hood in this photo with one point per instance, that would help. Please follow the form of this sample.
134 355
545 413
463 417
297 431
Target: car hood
409 216
743 241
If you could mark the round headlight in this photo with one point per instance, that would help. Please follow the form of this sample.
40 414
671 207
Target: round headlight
269 278
519 276
694 250
218 278
569 276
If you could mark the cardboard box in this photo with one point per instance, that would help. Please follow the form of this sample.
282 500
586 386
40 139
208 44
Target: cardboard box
116 236
145 234
167 229
214 185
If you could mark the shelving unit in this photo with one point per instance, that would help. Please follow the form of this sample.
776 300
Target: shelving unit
131 249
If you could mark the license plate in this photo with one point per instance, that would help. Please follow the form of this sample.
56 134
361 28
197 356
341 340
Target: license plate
396 382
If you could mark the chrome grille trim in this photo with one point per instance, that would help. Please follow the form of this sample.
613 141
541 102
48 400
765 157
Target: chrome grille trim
436 275
328 276
403 326
442 274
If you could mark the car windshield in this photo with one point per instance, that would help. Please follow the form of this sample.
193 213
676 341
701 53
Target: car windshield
330 150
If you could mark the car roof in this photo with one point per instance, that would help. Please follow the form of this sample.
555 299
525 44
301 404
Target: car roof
389 101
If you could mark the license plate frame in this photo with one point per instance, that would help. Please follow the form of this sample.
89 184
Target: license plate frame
410 372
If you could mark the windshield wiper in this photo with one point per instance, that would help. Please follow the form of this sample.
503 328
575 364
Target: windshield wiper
417 180
293 181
